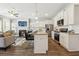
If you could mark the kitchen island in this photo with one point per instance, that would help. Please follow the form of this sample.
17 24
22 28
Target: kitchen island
40 42
70 41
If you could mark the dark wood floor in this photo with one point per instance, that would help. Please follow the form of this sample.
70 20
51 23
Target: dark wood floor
54 49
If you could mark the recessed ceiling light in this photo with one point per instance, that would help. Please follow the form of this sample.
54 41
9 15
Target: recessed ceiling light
46 14
37 21
36 17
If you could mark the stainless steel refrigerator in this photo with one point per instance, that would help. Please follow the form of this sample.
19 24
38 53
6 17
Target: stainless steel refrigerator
49 28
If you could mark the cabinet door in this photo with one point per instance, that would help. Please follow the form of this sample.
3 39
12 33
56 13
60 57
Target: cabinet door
61 39
40 43
55 20
64 40
44 39
74 43
70 12
69 15
65 16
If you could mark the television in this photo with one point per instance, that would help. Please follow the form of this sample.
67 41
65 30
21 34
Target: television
22 23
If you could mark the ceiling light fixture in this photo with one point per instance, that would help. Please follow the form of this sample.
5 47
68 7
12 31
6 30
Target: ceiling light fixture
36 11
36 17
13 12
46 14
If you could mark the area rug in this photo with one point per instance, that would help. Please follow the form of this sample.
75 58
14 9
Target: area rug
23 43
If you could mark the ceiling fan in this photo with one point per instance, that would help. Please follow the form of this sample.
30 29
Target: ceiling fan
13 12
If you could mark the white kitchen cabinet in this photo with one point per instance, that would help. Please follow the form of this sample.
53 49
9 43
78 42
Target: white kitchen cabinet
40 43
70 14
69 41
74 42
65 16
61 14
76 14
55 20
64 39
58 17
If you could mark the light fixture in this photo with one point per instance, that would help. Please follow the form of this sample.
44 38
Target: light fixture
37 21
13 12
36 11
36 17
46 14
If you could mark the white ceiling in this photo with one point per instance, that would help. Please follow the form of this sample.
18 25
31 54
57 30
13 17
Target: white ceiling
27 10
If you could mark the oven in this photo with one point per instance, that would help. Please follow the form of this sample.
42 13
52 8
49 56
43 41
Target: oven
56 36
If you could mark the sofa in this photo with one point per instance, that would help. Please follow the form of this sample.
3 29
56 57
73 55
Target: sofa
6 39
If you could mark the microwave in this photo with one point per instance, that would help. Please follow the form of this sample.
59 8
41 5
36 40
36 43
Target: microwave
60 22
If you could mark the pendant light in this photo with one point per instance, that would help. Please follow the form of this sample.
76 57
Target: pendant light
36 11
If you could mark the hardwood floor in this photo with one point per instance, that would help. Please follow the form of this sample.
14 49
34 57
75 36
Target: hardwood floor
57 50
54 49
